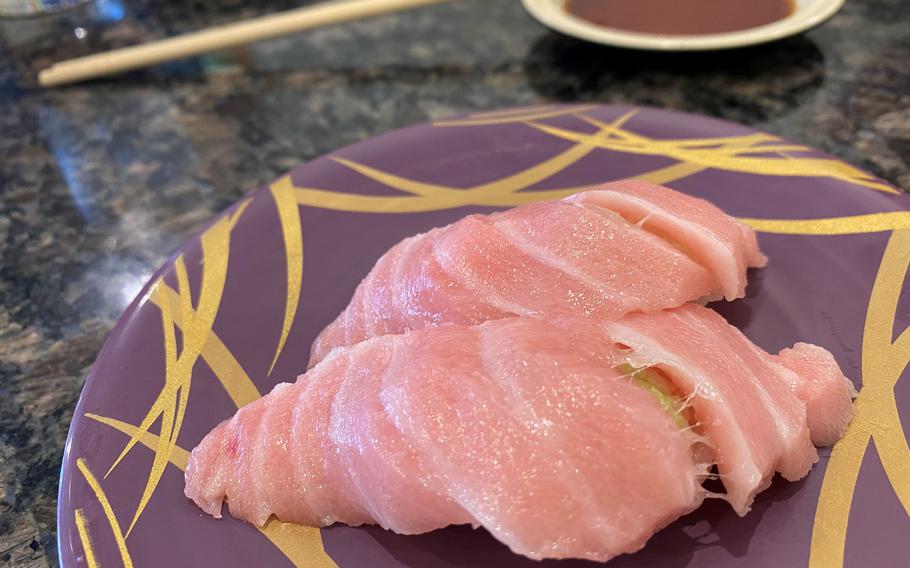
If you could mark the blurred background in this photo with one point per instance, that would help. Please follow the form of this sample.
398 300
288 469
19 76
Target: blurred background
100 181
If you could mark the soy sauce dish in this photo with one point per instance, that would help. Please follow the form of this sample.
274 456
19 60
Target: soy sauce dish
671 25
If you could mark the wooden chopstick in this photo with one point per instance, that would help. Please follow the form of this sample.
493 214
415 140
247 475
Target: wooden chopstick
221 37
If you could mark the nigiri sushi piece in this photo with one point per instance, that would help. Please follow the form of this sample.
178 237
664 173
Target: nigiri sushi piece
759 413
622 247
566 438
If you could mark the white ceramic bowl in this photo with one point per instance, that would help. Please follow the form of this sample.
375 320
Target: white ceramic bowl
808 14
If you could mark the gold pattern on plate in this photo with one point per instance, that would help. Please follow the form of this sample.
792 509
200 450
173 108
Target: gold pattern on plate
215 353
108 512
301 545
85 538
745 153
876 418
849 225
172 401
486 191
179 457
750 159
289 217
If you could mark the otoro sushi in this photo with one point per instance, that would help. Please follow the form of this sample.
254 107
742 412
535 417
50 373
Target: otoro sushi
564 438
619 248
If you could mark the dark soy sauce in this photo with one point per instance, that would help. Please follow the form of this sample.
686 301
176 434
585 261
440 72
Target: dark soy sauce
680 17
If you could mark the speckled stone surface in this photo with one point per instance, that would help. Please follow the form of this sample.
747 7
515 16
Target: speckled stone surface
100 182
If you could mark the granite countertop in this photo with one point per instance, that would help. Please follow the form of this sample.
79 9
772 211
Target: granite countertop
99 182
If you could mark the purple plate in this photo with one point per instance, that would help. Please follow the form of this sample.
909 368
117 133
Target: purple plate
235 310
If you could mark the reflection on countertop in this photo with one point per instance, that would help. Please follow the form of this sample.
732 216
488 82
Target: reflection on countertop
100 181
